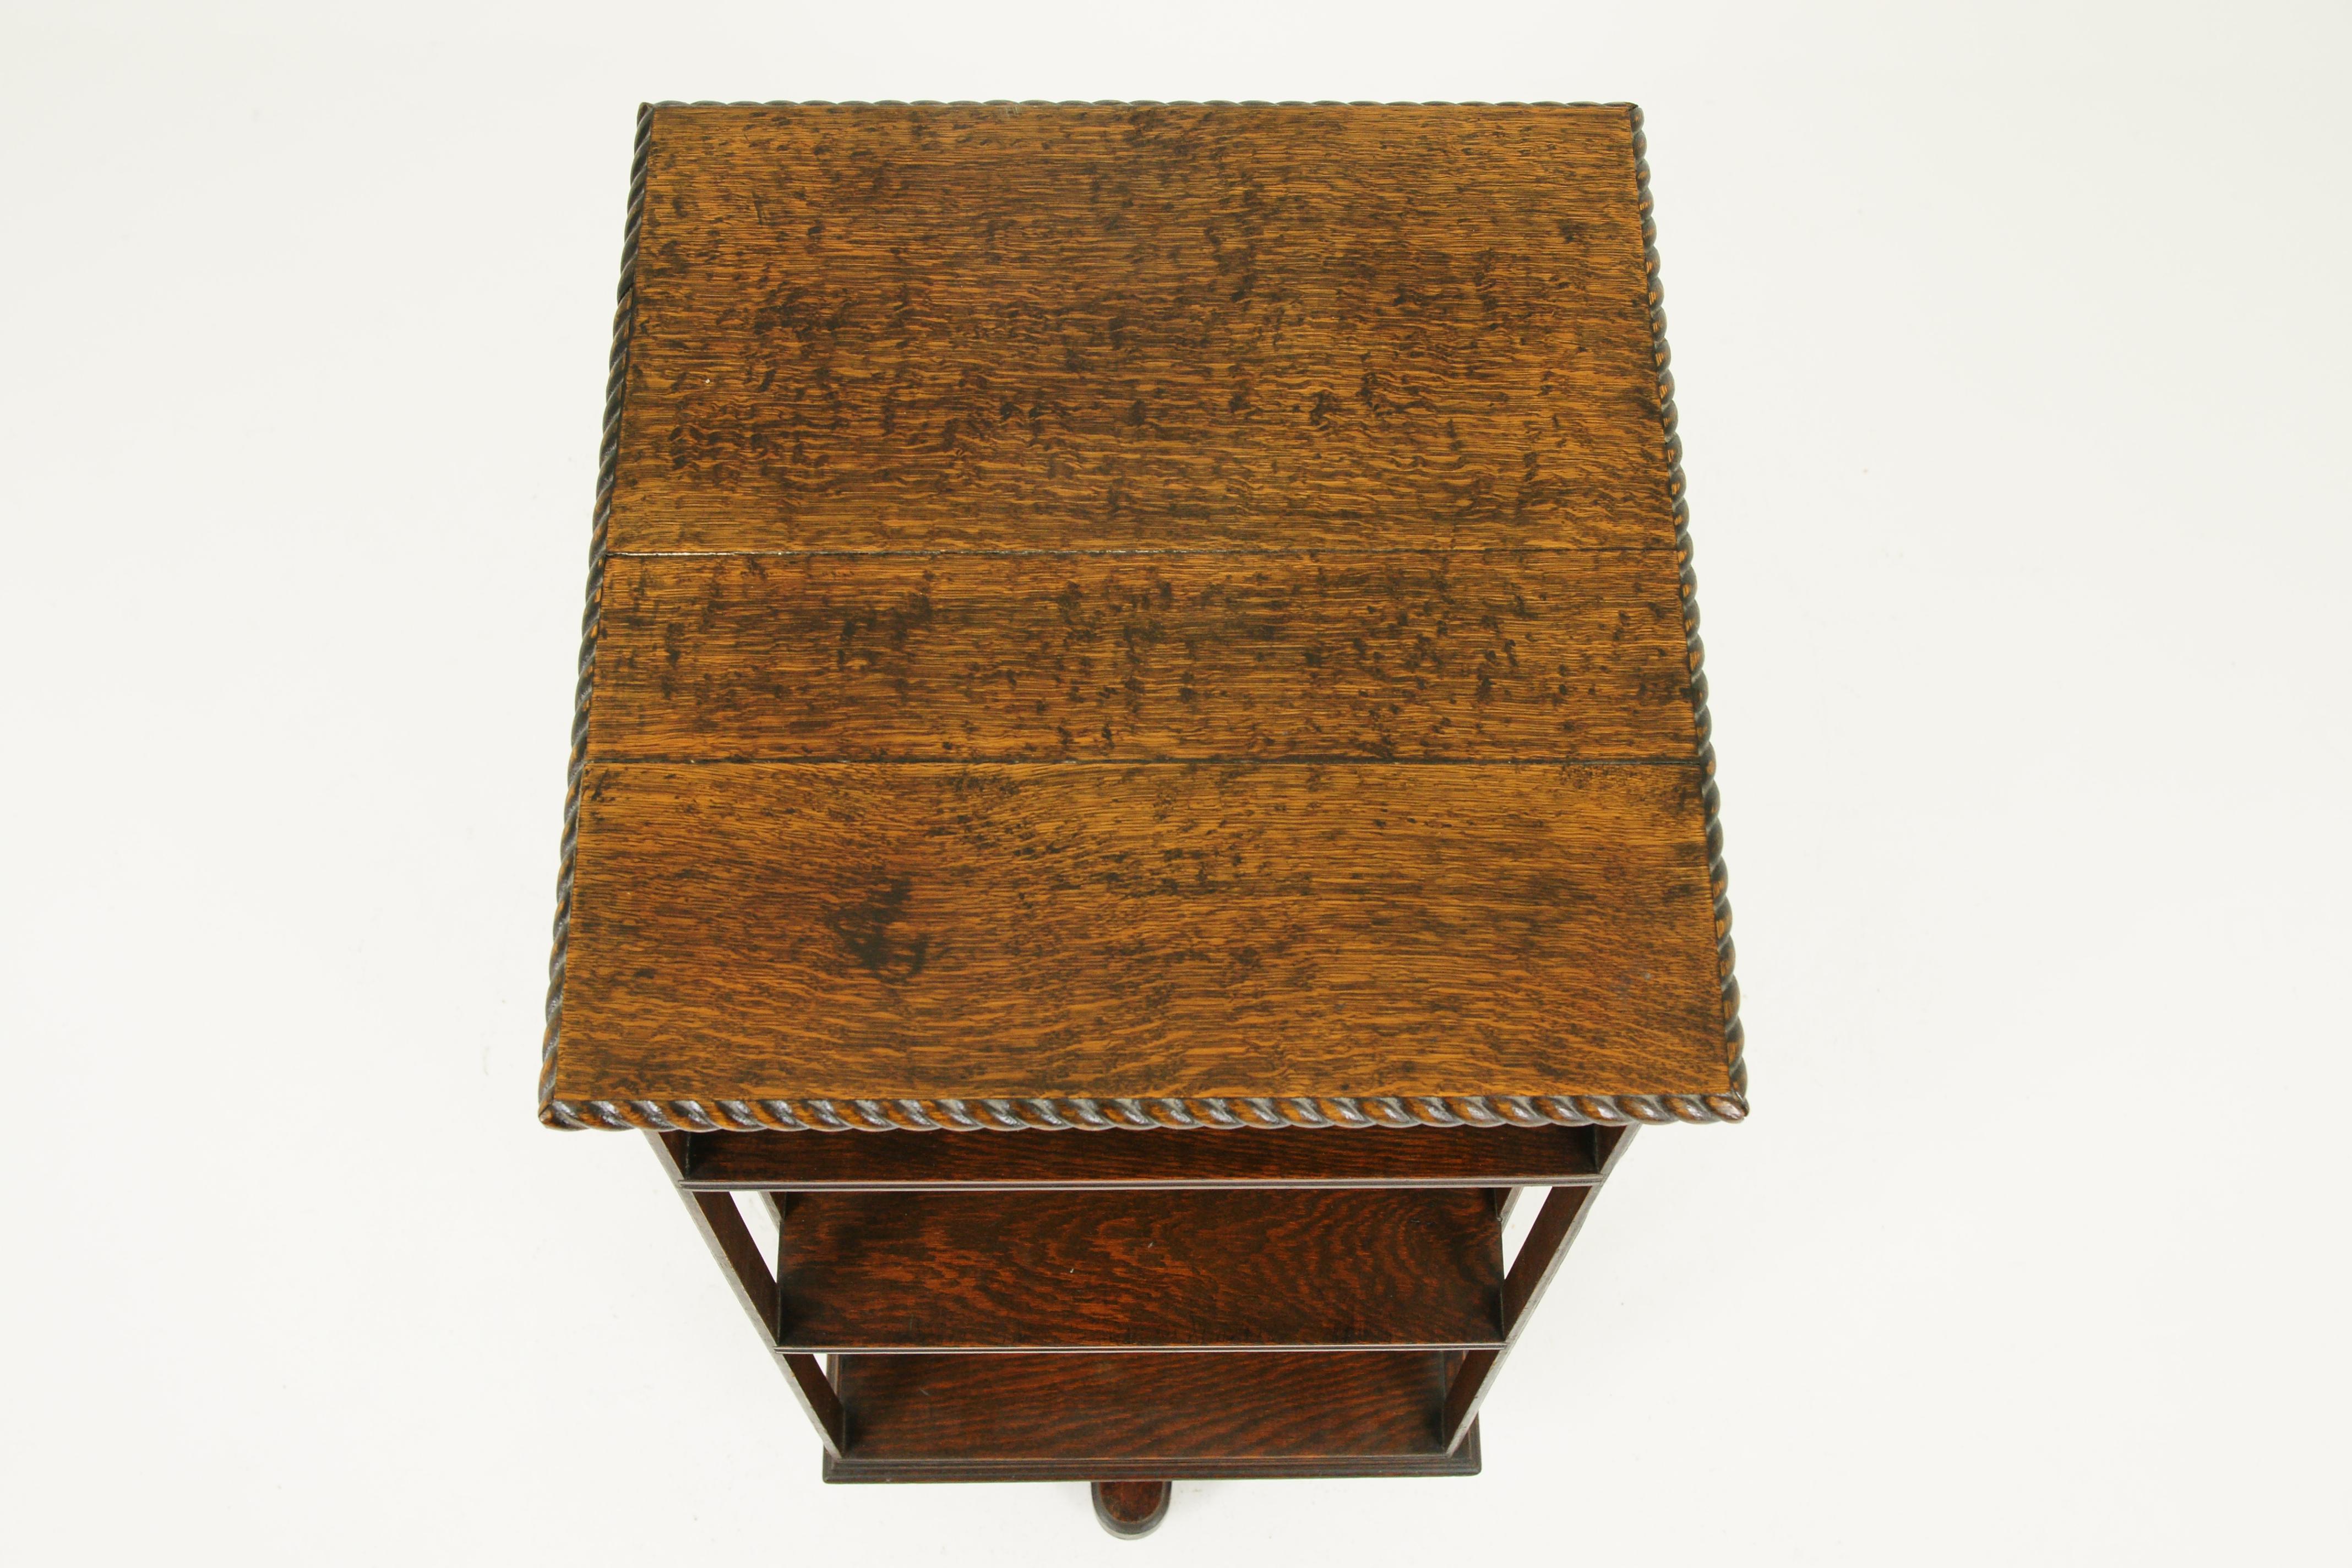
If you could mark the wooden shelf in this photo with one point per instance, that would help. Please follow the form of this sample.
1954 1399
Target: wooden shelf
1184 1269
1111 1417
1350 1157
1224 718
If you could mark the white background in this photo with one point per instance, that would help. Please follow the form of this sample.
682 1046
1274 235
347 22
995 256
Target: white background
2011 349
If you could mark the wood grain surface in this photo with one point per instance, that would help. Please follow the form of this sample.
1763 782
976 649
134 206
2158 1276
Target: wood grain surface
1109 1271
1331 1157
1533 654
1094 1417
1145 603
1142 1270
921 931
1015 326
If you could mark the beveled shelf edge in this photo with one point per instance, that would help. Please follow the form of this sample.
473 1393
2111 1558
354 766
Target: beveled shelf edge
1464 1460
1136 103
1413 1158
1144 1115
822 1347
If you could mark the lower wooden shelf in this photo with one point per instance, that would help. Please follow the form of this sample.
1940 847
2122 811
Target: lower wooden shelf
1057 1417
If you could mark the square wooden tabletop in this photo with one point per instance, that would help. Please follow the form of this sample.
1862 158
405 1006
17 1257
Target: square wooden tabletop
1140 615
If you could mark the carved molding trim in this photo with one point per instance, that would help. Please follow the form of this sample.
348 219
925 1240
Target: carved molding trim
1110 1115
1735 1038
1106 1115
608 463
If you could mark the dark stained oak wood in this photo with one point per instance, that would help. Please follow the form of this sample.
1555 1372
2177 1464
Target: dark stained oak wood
1537 654
1547 1243
817 1399
1539 1258
918 931
1338 1157
1015 326
1293 482
1140 615
1108 1271
730 1240
1144 1417
1131 1509
721 1225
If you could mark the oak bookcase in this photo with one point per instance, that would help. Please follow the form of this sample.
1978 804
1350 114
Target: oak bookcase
1141 767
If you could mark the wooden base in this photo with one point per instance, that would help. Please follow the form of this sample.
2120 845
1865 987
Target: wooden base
1151 1417
1130 1509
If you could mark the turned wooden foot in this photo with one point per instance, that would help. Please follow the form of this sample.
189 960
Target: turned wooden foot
1130 1508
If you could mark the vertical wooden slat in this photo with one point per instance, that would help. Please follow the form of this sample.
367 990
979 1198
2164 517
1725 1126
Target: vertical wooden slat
1556 1223
1467 1393
730 1241
817 1397
1541 1254
723 1226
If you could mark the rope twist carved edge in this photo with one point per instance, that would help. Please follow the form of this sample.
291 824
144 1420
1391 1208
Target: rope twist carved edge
1111 1115
1106 1115
608 463
1732 1106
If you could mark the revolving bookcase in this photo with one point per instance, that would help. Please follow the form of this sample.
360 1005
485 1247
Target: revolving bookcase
1141 768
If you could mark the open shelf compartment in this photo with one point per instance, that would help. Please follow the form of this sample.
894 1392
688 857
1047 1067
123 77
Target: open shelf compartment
1114 1417
1185 1269
1333 1157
